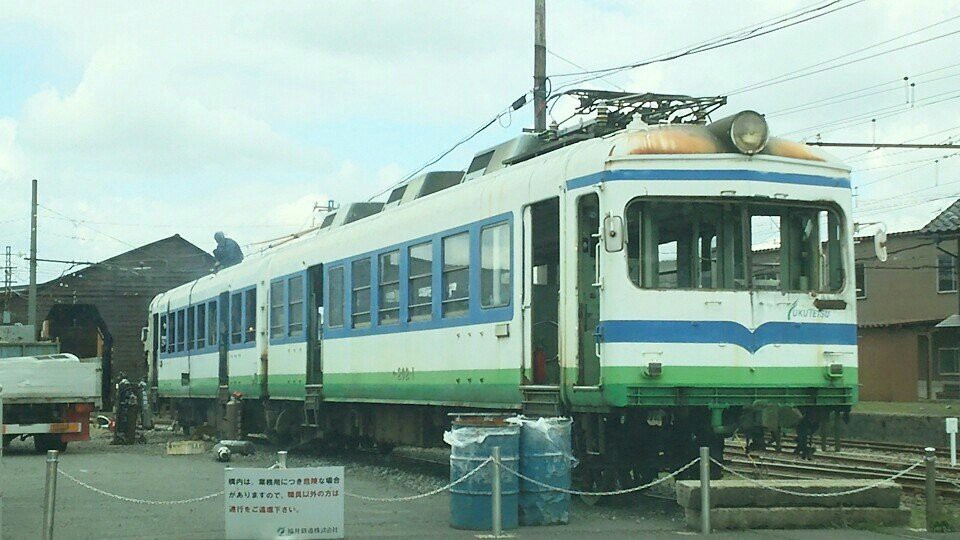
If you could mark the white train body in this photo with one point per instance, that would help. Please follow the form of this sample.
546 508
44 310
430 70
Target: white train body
717 319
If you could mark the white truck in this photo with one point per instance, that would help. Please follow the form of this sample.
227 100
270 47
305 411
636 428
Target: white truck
46 396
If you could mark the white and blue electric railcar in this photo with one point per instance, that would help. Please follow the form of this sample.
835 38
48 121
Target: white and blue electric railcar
665 285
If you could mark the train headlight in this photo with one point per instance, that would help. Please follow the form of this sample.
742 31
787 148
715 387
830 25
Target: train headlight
747 131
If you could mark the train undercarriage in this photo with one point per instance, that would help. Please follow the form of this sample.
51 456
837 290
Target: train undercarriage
615 449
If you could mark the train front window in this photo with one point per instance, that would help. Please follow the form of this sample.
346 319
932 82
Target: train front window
673 244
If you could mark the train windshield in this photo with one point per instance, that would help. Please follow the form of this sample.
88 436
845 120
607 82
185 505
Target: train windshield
738 244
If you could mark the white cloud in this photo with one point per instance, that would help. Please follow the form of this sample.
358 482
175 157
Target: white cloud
200 116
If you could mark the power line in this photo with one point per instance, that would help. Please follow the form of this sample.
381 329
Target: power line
876 114
79 222
799 73
518 104
720 42
884 145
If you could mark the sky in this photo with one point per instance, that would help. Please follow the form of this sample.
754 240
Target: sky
144 120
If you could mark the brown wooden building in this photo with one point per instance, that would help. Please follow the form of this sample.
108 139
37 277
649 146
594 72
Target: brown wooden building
908 347
100 310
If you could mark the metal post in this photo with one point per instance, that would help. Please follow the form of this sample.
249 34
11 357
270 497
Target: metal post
282 459
32 291
930 459
50 494
705 490
495 503
539 66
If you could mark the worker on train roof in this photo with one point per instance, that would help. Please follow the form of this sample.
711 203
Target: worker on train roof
227 252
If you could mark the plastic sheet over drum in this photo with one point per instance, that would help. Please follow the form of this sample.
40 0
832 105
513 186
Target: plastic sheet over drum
545 456
471 442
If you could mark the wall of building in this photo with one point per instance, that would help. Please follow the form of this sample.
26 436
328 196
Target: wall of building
889 363
904 288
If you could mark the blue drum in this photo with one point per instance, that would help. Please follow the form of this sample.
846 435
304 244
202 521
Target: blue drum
545 456
472 440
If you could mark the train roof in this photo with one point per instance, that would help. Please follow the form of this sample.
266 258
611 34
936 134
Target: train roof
578 151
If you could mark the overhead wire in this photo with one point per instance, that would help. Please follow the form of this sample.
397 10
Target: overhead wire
715 44
802 72
81 223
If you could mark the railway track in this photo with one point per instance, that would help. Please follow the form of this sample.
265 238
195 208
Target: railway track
873 446
840 465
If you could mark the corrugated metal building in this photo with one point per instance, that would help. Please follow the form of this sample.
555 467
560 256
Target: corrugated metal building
99 310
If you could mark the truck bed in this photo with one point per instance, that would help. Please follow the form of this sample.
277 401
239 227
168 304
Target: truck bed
57 378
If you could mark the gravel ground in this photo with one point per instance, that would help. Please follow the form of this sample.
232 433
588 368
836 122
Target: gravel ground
145 471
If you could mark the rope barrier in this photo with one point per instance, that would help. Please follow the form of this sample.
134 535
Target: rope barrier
423 495
138 501
833 494
601 493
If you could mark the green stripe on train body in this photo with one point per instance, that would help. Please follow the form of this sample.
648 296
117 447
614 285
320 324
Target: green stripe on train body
621 387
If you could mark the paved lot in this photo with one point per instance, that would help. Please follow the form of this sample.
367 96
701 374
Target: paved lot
145 472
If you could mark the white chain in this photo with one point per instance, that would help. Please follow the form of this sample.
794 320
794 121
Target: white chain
422 495
139 501
833 494
601 493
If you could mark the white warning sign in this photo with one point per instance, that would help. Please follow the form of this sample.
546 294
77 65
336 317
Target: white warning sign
283 503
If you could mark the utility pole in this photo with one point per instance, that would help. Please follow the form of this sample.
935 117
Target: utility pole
7 286
32 298
540 66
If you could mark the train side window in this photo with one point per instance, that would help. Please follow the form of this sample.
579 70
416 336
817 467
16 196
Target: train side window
163 333
236 318
278 309
191 328
495 266
389 290
682 245
180 332
212 332
420 282
456 275
295 300
765 252
250 315
360 281
201 326
337 296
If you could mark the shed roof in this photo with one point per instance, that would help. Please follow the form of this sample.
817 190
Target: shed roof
946 224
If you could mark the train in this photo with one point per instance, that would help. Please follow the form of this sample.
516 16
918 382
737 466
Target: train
665 280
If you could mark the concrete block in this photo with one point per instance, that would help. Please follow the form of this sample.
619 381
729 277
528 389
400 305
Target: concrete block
800 518
741 493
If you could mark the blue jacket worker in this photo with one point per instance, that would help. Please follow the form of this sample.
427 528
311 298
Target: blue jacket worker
228 251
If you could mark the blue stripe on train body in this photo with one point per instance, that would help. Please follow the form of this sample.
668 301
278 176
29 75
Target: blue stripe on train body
727 332
724 175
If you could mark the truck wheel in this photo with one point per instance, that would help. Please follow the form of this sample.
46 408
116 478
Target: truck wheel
48 441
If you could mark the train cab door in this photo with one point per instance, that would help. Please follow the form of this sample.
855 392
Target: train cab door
589 285
223 346
541 293
315 326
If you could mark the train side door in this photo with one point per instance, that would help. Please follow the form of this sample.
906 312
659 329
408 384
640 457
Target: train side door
541 293
588 290
223 343
315 326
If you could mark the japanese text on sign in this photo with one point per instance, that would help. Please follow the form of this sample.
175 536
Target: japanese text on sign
284 503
